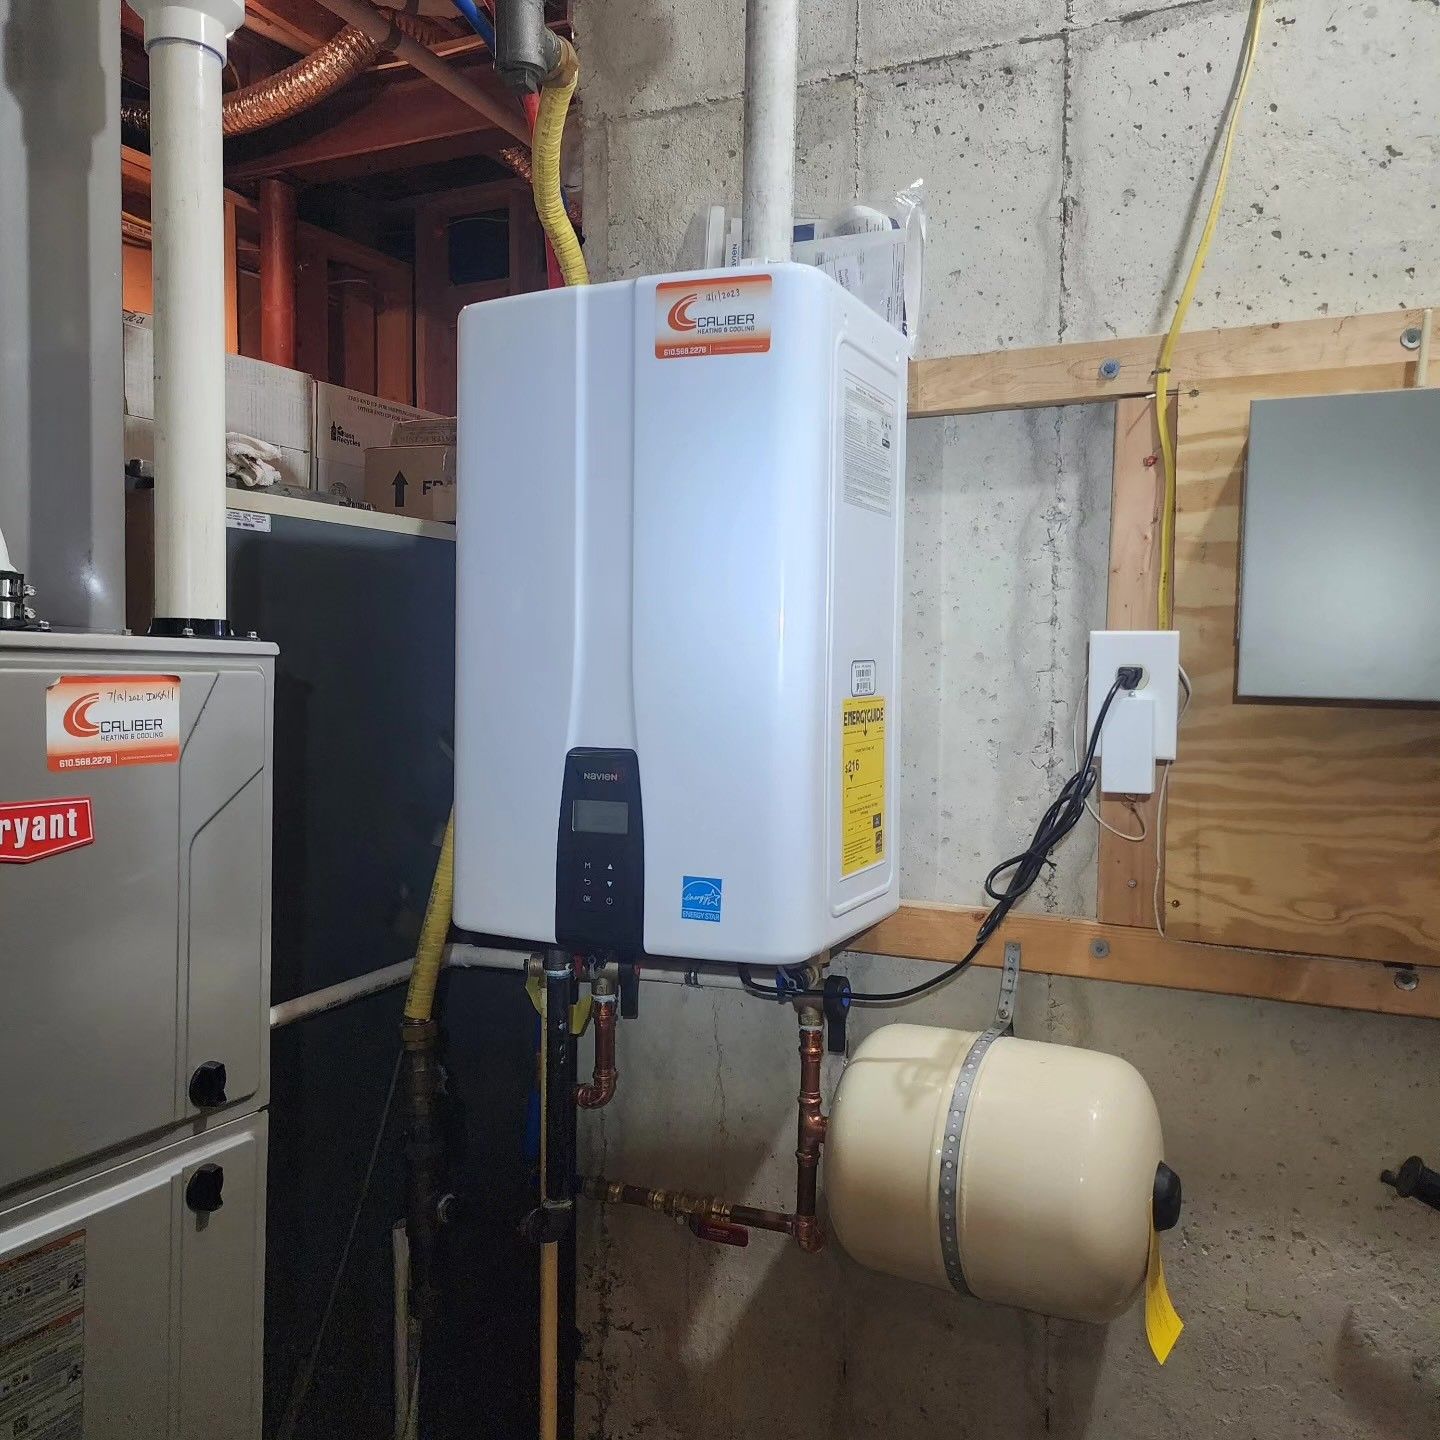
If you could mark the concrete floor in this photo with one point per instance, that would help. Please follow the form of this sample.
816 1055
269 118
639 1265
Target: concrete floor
1061 142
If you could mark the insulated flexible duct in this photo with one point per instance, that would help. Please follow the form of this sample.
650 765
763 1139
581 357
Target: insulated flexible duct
286 93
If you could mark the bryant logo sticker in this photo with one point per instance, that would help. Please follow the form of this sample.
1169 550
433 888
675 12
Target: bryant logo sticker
37 829
94 720
712 317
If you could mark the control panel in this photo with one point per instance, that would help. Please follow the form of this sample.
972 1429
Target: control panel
600 854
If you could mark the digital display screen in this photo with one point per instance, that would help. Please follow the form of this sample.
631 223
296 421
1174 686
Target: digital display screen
600 817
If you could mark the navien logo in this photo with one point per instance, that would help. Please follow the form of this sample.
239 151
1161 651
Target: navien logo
77 721
613 775
37 829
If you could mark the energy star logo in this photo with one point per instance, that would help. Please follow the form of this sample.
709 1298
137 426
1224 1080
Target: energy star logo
700 898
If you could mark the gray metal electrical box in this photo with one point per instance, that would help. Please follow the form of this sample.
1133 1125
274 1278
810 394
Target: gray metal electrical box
1340 549
135 805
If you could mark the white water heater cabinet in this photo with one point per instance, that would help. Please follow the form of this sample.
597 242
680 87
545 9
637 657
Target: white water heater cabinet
680 535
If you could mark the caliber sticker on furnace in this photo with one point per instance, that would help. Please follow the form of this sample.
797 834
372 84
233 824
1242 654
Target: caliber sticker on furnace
99 720
862 783
712 317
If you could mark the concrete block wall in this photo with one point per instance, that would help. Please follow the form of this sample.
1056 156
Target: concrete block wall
1062 143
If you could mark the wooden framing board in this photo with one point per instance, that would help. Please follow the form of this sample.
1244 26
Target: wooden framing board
1291 826
1125 870
1070 374
1086 949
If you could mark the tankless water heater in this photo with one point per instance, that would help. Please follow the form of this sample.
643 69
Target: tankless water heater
680 529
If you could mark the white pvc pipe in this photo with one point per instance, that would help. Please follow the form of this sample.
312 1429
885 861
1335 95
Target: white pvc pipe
4 554
186 45
772 38
698 976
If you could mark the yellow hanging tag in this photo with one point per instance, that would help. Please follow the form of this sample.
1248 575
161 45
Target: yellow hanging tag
1162 1324
579 1011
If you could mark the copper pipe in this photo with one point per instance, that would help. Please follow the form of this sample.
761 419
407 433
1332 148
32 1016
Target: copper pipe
810 1134
277 273
287 92
601 1090
683 1206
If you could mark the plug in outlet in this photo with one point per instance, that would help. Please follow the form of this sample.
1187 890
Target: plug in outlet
1144 731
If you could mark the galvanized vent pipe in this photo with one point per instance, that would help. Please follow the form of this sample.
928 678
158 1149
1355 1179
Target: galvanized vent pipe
772 38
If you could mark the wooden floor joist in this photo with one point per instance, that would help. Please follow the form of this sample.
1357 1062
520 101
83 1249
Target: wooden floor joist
1086 949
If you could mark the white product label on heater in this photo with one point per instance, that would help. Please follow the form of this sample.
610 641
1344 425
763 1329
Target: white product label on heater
869 447
42 1340
247 520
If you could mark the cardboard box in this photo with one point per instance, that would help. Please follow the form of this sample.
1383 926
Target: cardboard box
413 480
424 432
347 424
266 401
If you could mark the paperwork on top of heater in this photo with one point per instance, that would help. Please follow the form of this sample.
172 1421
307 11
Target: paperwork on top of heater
877 252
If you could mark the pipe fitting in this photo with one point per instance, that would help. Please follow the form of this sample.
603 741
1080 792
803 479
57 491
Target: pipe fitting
606 1080
210 23
527 52
810 1128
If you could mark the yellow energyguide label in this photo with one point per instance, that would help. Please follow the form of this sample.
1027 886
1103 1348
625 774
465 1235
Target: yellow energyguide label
1162 1324
862 783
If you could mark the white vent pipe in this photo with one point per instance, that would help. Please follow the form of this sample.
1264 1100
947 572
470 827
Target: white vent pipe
186 44
772 38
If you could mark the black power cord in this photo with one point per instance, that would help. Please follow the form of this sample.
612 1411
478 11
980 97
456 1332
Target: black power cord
1023 870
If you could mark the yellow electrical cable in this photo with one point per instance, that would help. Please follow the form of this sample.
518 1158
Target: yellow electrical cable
420 998
1187 294
545 158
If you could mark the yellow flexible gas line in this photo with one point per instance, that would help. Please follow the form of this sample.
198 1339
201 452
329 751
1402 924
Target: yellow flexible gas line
420 999
545 159
1187 294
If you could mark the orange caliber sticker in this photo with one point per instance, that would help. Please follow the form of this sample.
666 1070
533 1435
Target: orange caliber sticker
97 720
712 317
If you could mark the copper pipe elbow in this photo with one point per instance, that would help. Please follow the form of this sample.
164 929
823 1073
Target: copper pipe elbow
606 1080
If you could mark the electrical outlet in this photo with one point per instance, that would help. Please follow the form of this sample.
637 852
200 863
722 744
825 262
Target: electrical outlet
1157 653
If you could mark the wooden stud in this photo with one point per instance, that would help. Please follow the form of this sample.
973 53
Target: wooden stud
395 344
357 332
312 307
1072 374
1086 949
1126 869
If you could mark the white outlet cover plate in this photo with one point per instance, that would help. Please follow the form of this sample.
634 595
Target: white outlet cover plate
1157 652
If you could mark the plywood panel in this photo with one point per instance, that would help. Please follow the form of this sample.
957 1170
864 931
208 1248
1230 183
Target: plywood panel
1308 828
